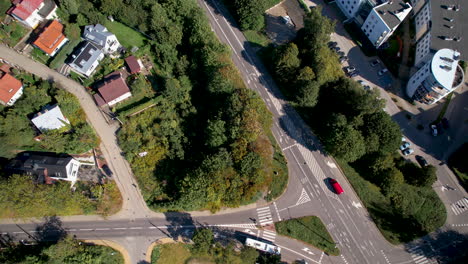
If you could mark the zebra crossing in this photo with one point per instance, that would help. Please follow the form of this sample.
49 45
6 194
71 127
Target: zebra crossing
269 235
304 198
419 257
264 216
313 166
460 206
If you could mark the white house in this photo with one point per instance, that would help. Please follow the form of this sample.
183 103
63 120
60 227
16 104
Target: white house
99 35
33 12
383 20
10 89
86 59
46 167
50 118
438 77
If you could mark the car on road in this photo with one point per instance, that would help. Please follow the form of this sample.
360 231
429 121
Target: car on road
336 186
343 59
434 130
374 63
405 146
382 71
422 161
445 123
349 69
408 151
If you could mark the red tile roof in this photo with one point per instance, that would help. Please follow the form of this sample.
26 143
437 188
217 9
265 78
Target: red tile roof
23 9
133 64
9 85
50 38
114 86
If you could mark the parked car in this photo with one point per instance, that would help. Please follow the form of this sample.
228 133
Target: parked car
374 63
382 71
332 44
336 186
445 123
408 151
287 20
403 139
422 161
364 84
340 53
354 74
343 59
434 130
349 69
405 146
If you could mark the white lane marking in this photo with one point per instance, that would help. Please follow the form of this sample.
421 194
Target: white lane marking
152 227
264 215
288 147
270 236
331 164
85 229
460 206
136 227
385 256
304 198
19 232
220 28
297 253
459 225
308 251
344 259
277 213
119 228
102 229
357 205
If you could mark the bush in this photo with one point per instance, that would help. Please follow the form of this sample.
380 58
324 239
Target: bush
457 162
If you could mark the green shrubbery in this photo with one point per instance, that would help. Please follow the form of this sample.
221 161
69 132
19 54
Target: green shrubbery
458 163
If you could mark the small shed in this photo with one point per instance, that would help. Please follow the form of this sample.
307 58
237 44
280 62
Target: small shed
133 64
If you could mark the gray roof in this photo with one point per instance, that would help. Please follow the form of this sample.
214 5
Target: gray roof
390 11
85 56
440 26
97 34
50 118
40 165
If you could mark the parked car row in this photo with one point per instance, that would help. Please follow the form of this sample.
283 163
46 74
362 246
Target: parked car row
405 148
333 46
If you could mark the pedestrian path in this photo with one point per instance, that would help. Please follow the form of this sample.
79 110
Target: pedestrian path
269 235
264 216
460 206
419 257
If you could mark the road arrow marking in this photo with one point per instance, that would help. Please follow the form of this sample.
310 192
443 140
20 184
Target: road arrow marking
331 164
308 251
357 205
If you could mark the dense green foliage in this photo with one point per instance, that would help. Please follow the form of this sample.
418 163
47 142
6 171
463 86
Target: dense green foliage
458 161
310 230
206 135
65 251
250 13
17 132
203 250
20 197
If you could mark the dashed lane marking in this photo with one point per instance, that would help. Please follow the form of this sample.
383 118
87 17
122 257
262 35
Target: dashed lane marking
344 259
277 212
85 229
386 259
459 225
136 227
119 228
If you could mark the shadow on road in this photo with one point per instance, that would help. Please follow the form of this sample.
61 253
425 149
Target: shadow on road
50 230
181 225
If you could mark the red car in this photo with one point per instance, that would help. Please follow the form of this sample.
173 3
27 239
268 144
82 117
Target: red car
336 186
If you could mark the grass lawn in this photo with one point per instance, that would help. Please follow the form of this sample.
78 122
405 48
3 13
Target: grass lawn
63 53
176 253
39 56
127 36
280 172
256 38
12 33
4 6
310 230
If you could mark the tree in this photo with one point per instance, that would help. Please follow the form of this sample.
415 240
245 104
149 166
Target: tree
249 255
216 133
69 6
386 131
287 62
250 14
308 94
203 239
392 180
346 143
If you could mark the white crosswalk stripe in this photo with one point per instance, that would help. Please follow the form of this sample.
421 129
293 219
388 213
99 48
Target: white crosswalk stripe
264 216
268 235
313 166
250 226
304 198
419 257
460 206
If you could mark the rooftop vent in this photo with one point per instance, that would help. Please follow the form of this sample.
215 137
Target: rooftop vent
446 67
446 59
449 26
449 19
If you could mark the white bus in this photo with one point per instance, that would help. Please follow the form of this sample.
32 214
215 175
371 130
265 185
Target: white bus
263 246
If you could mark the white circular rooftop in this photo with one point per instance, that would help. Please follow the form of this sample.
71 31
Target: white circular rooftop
444 66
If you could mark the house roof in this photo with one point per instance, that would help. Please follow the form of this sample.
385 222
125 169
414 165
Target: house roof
393 12
97 34
50 118
86 55
440 26
42 165
133 64
114 86
23 9
51 37
9 85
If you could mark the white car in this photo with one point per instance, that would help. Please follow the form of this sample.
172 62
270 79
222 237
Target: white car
408 151
434 130
364 84
405 146
382 71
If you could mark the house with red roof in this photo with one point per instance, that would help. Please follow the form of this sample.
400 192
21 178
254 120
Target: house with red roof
32 12
113 91
134 65
51 39
10 89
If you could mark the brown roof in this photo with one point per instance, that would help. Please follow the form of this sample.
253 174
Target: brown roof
114 86
9 85
133 64
50 38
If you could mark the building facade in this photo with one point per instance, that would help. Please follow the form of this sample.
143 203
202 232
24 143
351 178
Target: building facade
99 35
32 12
349 7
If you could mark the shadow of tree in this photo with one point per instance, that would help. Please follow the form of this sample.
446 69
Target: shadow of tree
50 230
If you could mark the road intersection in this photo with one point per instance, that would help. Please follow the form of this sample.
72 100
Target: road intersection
307 194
